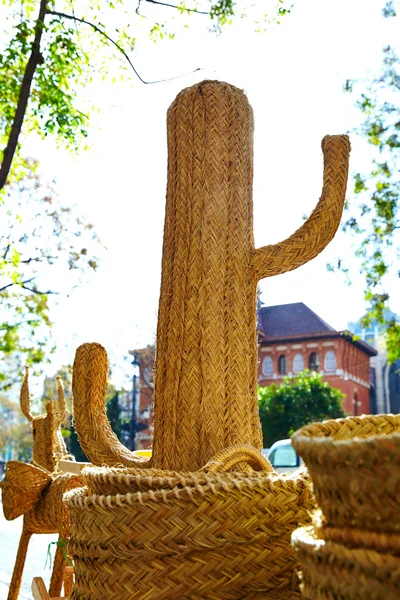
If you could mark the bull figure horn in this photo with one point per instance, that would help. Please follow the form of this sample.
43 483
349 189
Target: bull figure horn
24 396
61 400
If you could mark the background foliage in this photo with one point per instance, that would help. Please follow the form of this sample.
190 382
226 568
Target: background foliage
54 49
373 212
45 249
54 57
296 402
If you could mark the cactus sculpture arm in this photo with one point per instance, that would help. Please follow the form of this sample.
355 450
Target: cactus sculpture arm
97 439
316 233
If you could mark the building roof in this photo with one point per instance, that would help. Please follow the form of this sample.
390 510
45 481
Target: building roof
295 322
286 320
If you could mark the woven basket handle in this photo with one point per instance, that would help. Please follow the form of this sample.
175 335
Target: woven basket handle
232 456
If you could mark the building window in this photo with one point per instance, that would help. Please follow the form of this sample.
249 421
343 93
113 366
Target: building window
267 366
298 363
313 362
282 364
330 361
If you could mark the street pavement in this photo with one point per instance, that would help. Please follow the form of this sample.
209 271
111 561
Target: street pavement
10 532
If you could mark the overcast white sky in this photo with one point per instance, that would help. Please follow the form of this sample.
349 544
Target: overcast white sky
293 75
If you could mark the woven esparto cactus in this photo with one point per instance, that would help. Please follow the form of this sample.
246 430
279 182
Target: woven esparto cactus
206 349
181 525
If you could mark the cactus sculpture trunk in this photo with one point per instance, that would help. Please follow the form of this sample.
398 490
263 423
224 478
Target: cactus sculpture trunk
206 350
205 379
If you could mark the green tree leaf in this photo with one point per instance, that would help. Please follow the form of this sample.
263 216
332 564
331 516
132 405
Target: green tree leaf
297 401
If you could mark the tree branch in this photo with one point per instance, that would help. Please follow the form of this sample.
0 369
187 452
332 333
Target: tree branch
6 386
119 48
193 10
35 259
35 291
104 34
29 289
13 283
24 94
6 251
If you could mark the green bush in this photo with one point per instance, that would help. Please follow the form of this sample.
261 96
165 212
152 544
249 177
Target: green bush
296 402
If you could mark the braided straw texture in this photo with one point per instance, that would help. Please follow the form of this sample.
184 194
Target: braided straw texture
319 229
205 396
331 571
352 537
89 380
49 515
21 488
354 464
361 538
204 535
36 490
206 363
109 480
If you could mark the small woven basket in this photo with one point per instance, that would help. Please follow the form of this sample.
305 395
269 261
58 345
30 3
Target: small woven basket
332 571
198 535
22 487
354 464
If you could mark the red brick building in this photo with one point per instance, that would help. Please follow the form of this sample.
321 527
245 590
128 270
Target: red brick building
144 395
293 338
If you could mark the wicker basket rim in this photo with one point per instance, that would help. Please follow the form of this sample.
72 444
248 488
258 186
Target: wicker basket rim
213 484
128 475
305 537
302 443
323 434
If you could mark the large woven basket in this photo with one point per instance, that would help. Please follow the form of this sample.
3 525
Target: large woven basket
333 571
199 535
354 465
22 487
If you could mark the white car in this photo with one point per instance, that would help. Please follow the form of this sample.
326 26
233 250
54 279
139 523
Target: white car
283 457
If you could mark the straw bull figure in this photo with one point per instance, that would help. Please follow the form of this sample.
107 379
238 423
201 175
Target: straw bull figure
35 490
206 361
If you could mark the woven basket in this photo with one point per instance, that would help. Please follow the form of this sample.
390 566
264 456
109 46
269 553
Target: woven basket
332 571
22 487
354 465
199 535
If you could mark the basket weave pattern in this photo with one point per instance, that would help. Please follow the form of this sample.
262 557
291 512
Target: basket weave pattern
205 396
212 535
353 550
354 464
36 490
21 488
334 572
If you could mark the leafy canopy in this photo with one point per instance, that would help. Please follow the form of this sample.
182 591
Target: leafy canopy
45 253
374 211
52 50
296 402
